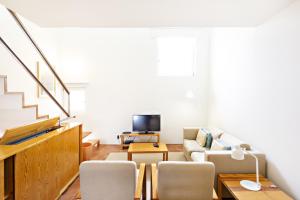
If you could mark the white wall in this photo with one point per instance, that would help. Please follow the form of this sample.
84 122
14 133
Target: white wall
120 66
255 91
18 79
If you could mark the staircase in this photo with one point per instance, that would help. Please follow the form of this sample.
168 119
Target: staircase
13 111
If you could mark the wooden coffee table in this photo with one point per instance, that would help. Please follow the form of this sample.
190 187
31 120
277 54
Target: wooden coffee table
147 148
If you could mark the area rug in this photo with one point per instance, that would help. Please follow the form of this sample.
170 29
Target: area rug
147 158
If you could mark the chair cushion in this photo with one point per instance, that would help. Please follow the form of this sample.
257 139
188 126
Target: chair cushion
185 180
99 179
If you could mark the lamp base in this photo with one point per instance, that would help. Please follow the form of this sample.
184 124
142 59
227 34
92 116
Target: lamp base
250 185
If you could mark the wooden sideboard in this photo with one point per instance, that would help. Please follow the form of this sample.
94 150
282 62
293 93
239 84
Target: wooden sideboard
42 167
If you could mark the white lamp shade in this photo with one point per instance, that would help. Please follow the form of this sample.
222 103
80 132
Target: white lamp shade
238 153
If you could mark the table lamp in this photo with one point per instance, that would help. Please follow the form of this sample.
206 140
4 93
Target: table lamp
238 153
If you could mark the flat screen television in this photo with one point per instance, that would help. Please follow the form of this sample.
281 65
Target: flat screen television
145 123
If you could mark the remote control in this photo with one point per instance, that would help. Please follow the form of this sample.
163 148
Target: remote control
155 145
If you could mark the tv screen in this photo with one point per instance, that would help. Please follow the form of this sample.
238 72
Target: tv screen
146 123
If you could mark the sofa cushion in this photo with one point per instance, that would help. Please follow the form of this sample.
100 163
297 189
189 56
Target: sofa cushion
209 140
233 141
198 156
216 146
201 137
191 146
220 145
215 132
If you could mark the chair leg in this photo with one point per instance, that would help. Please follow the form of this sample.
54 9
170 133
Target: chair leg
144 185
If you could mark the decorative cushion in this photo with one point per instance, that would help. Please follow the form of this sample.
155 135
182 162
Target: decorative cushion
219 145
216 146
216 132
209 140
246 146
201 138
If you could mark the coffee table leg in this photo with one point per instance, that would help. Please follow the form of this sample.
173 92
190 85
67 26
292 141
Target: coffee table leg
129 156
167 156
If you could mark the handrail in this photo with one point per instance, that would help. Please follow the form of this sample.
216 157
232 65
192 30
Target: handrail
33 76
37 48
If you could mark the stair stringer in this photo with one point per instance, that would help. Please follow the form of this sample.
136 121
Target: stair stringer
24 106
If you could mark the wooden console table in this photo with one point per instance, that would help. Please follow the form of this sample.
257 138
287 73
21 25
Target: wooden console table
124 136
232 183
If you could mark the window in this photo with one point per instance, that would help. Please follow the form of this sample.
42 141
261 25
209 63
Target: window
176 56
77 97
78 102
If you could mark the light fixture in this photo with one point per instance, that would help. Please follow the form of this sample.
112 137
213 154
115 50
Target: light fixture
238 153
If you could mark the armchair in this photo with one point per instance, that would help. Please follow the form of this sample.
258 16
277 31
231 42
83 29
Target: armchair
112 180
183 180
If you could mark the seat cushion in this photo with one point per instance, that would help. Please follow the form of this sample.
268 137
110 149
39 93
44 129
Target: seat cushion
198 156
192 146
185 180
101 178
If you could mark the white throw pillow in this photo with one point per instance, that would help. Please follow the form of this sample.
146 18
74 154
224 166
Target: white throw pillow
201 138
216 132
219 144
216 146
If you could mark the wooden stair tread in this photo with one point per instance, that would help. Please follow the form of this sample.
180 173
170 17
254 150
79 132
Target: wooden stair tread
30 106
36 106
43 116
12 93
86 133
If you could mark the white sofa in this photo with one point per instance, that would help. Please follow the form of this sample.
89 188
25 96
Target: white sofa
221 158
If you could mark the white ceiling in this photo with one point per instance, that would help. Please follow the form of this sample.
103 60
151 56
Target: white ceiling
146 13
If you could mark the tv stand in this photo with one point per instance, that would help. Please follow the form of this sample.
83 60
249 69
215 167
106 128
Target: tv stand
124 136
146 132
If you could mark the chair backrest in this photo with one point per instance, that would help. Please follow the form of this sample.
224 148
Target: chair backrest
109 180
185 180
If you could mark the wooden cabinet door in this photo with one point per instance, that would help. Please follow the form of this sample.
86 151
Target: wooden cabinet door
43 170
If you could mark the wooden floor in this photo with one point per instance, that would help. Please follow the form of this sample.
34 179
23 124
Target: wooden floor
101 154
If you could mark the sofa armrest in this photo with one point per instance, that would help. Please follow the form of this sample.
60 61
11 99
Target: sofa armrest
190 133
141 183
